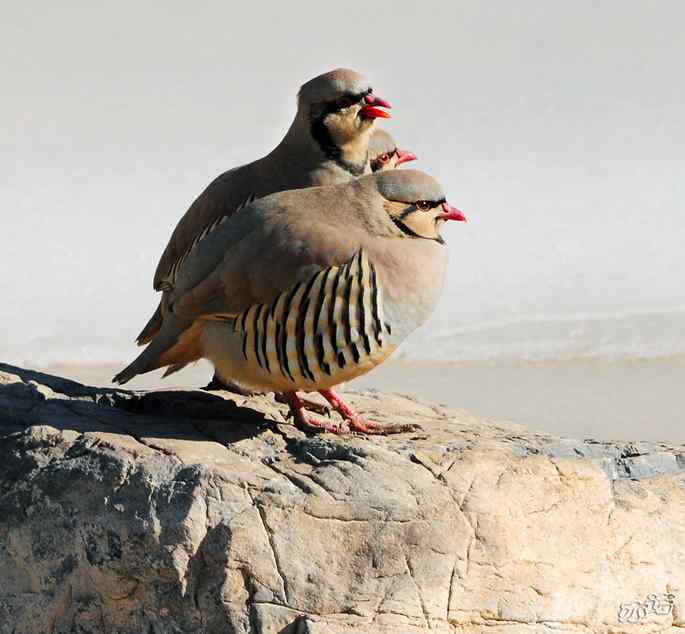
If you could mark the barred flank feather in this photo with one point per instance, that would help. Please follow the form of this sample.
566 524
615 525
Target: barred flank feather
317 327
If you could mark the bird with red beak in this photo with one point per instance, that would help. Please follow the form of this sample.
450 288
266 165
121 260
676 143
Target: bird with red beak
304 290
327 143
341 118
384 153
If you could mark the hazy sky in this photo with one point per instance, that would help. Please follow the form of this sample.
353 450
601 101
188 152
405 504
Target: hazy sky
556 126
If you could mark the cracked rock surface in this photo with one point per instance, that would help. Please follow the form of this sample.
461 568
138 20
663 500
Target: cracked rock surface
164 512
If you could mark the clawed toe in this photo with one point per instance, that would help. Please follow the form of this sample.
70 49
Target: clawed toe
312 406
318 408
306 423
351 420
358 424
309 424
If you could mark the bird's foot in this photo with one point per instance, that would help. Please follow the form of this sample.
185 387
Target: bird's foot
355 421
304 422
352 420
359 424
308 404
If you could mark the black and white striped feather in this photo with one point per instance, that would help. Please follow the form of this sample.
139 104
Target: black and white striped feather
318 327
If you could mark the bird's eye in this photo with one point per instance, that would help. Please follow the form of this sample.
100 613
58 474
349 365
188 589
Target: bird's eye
384 158
424 205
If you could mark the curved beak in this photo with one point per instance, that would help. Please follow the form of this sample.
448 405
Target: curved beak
451 213
372 108
404 156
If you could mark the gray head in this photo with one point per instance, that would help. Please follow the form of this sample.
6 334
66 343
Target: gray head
415 202
332 86
340 109
384 153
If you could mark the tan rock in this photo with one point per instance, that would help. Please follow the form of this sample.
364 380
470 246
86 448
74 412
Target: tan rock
193 512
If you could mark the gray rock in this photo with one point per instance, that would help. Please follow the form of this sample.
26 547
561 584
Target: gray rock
186 511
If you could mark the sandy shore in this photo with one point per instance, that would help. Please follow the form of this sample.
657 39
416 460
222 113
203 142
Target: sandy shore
622 400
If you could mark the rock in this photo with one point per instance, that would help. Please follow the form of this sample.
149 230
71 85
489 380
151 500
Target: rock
187 511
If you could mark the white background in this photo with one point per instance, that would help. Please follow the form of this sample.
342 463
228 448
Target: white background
556 126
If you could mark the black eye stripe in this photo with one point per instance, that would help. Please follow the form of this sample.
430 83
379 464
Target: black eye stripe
425 205
411 233
345 101
415 206
321 134
433 203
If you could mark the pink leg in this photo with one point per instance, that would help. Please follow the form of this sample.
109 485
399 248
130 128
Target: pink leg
297 409
308 404
355 420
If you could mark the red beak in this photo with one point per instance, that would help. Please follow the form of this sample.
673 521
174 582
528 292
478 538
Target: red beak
404 156
370 109
452 213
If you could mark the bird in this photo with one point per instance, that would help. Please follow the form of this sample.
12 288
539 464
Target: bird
326 143
384 153
305 289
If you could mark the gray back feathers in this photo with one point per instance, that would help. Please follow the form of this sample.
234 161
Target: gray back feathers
295 163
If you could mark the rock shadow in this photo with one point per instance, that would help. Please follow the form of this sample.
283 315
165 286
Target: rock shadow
45 399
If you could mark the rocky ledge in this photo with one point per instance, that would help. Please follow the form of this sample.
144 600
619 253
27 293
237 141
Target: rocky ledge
187 511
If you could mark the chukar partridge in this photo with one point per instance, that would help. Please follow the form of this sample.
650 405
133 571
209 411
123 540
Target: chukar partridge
306 289
327 143
384 153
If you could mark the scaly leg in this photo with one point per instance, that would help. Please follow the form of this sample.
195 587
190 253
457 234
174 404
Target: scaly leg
303 422
308 404
357 423
216 384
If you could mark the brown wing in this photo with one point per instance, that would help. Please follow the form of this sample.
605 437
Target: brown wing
222 198
257 255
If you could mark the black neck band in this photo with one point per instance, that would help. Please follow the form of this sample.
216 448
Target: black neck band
411 233
323 138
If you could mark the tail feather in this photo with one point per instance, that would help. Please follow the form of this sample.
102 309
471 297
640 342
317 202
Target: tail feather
176 343
151 328
173 368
